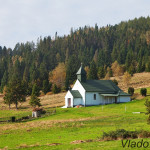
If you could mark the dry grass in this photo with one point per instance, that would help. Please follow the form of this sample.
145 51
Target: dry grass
139 80
5 148
53 100
36 145
41 124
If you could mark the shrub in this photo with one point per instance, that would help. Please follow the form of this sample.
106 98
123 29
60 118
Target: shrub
143 91
115 81
123 134
131 90
63 89
147 104
144 134
41 110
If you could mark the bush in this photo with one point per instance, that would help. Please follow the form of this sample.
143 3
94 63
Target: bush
131 90
144 134
63 89
115 81
147 104
41 110
121 134
143 91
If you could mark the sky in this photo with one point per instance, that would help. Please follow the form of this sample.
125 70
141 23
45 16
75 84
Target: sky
27 20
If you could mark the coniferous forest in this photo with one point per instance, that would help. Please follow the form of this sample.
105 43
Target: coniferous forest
97 48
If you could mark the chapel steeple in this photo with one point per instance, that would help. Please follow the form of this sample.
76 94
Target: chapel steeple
81 74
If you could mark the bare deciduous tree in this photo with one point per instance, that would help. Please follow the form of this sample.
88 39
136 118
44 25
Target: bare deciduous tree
58 75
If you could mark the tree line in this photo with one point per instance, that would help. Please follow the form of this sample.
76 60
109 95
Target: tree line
52 63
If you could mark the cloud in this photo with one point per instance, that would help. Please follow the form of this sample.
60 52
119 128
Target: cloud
26 20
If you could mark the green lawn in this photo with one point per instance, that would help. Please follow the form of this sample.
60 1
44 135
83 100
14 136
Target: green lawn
9 113
72 124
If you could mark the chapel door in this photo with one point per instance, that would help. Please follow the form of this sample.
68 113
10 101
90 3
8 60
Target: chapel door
69 102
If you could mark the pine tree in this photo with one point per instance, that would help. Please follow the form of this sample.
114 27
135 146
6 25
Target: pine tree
66 84
101 58
8 97
93 71
55 89
4 81
101 72
148 67
72 67
35 90
46 86
15 93
139 68
26 74
43 72
35 101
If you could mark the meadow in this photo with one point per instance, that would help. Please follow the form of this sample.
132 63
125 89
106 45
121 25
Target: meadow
75 128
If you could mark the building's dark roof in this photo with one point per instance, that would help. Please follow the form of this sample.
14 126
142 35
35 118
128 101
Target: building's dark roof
122 93
75 94
103 87
81 70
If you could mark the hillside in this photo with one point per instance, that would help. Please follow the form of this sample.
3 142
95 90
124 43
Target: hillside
139 80
53 100
127 42
76 128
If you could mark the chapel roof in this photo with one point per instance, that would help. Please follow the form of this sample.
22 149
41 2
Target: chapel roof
102 87
75 93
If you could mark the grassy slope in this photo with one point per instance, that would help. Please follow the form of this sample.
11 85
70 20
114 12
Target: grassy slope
72 124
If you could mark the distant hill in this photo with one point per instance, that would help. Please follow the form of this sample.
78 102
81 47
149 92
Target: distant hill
127 42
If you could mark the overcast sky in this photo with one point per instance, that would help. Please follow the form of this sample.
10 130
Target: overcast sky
26 20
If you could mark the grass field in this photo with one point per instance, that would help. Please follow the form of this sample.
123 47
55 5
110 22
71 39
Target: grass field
75 128
9 113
